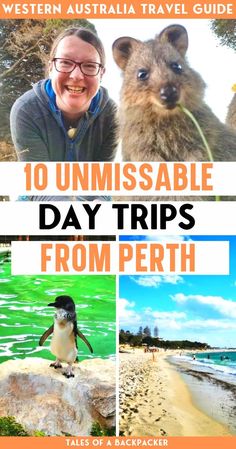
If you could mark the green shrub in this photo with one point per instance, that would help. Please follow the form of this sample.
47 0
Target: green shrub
39 433
98 431
10 428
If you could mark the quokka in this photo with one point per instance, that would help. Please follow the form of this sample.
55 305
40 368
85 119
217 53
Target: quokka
157 78
231 116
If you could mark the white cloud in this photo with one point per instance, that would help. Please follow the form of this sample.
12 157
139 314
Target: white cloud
166 238
226 307
168 324
173 320
165 320
172 279
164 315
155 281
169 315
126 313
176 324
210 324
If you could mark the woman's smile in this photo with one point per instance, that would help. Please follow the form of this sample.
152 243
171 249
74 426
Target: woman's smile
75 89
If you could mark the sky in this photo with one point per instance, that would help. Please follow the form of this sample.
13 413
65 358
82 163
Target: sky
216 64
196 308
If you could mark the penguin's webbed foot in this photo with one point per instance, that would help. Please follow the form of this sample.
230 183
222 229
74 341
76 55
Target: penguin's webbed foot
68 375
56 365
68 372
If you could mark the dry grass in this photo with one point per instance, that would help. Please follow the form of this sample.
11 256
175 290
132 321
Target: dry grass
7 152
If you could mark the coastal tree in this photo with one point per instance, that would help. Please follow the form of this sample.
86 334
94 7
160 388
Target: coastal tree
225 30
24 49
124 336
147 331
148 340
135 340
155 331
155 341
140 331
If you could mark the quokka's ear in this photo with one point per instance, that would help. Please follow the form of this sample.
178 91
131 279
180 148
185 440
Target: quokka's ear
177 36
122 49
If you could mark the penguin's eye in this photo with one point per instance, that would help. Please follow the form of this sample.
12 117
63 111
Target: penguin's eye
143 74
176 67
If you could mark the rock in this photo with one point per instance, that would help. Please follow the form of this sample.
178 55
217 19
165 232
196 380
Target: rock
41 398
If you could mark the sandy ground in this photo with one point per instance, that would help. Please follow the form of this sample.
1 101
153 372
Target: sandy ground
154 400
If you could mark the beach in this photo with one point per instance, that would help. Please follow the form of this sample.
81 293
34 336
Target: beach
155 400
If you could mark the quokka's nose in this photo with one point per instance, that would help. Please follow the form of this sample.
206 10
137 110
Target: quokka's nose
169 95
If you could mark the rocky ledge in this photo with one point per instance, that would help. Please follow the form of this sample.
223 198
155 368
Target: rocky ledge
41 398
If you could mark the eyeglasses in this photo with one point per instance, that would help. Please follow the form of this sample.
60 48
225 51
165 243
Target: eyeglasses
68 65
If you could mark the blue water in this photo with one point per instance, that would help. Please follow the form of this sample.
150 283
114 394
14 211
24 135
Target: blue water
221 364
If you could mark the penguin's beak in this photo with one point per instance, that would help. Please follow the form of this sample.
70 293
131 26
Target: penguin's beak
52 304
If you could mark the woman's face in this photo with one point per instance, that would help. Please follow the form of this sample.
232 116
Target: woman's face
74 91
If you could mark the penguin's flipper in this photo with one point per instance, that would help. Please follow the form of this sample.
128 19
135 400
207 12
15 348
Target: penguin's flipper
46 335
80 335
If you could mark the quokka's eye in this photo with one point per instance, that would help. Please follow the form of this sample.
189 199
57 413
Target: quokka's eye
143 74
176 67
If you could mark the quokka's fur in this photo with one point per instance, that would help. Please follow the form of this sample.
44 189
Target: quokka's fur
231 116
157 77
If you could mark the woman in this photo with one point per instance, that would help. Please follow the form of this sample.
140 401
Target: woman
67 117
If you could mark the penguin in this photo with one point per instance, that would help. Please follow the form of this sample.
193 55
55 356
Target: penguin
65 332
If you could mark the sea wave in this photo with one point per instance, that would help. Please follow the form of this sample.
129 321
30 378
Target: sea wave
224 369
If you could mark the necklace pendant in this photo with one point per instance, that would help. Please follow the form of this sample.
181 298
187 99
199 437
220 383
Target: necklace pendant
71 132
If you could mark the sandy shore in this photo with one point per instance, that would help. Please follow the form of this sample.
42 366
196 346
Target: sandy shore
154 400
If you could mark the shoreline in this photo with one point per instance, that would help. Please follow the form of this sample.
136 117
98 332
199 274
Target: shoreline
155 400
211 391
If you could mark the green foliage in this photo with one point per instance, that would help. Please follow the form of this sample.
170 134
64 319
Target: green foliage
135 340
182 344
98 431
126 337
225 30
148 340
147 331
140 331
58 25
9 427
39 433
24 49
